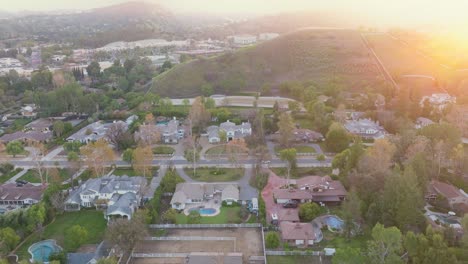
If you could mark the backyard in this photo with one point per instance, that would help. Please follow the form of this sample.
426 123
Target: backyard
93 221
227 215
215 174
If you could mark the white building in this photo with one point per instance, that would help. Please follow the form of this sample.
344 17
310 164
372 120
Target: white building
196 193
234 131
365 128
243 40
438 100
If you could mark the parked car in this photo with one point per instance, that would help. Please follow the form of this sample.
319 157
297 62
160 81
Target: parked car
290 204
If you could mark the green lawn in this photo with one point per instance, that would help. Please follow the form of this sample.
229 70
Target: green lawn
228 215
6 177
215 174
33 177
163 150
301 172
92 220
304 123
337 241
131 173
296 260
217 150
299 149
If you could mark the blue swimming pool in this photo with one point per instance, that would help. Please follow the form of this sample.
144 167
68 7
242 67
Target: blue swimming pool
334 222
41 251
204 211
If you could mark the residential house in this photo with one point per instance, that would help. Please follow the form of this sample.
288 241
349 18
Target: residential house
93 132
312 189
422 122
40 125
438 100
454 195
365 128
288 214
102 251
299 234
234 131
307 135
29 111
12 194
120 195
171 132
131 119
30 136
196 193
213 134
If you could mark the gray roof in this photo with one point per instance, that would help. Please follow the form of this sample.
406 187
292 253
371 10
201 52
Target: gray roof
122 204
198 191
30 135
79 258
213 131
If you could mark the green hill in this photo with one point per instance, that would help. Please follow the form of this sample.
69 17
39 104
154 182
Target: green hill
311 55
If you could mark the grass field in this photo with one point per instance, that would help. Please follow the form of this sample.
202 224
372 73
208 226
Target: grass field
217 150
163 150
132 173
57 175
227 215
6 177
301 172
299 149
92 220
307 55
215 174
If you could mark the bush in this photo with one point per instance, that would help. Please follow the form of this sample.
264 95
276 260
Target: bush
259 181
321 157
309 211
6 168
272 240
58 256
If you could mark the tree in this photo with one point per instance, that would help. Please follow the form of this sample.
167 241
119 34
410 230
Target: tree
97 155
352 216
289 156
206 89
118 136
126 233
286 129
9 238
464 223
14 148
166 66
94 70
429 248
37 153
234 149
170 216
74 160
378 158
385 245
75 237
272 240
194 217
348 255
198 115
148 134
337 139
57 200
308 211
58 128
127 155
142 160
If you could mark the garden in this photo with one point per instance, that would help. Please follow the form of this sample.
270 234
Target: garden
206 174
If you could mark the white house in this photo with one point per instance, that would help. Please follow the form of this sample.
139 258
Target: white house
438 100
243 40
236 131
365 128
213 134
422 122
171 132
196 193
121 195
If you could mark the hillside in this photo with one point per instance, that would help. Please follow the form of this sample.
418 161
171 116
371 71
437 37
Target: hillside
316 56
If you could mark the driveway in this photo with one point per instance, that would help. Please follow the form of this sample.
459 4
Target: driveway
274 182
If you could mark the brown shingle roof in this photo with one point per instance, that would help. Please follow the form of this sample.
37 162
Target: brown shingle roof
446 190
31 135
290 215
297 231
292 194
11 192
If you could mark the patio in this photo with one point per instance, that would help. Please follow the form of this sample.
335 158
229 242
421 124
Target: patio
214 203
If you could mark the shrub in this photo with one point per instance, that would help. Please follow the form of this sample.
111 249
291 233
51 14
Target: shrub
272 240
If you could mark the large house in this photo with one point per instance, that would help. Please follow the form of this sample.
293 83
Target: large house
299 234
307 135
312 189
29 136
454 196
171 132
232 131
93 132
438 100
120 195
365 128
12 194
29 110
196 193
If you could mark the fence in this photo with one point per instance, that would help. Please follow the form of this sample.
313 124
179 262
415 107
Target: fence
173 226
293 253
160 255
190 238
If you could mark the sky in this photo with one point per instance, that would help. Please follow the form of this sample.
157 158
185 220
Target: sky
398 12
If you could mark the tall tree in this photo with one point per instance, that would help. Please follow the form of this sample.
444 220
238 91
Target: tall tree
289 156
142 160
337 139
97 156
94 70
198 115
385 246
286 129
348 255
58 128
352 215
14 148
125 234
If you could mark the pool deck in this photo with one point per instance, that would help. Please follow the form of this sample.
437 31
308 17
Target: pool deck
213 203
57 248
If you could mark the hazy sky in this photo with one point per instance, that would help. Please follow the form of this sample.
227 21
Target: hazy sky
397 11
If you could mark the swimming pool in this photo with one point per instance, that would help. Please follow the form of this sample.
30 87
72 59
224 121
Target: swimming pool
334 222
41 251
204 211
